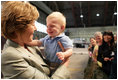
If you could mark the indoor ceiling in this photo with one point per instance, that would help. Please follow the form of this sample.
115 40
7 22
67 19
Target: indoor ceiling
86 13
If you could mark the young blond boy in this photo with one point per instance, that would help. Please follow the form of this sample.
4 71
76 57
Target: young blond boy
56 23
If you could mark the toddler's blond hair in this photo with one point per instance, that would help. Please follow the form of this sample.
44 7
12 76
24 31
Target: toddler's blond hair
59 16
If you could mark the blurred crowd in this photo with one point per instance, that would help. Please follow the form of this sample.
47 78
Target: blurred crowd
103 56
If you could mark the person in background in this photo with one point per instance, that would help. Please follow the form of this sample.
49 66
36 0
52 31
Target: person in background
18 60
98 38
92 45
55 55
90 66
105 51
113 74
97 71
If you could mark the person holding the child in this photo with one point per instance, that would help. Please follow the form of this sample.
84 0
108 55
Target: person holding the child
18 60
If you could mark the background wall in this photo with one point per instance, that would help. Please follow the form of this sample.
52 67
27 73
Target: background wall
86 33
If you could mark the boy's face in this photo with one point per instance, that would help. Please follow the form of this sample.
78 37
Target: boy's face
54 27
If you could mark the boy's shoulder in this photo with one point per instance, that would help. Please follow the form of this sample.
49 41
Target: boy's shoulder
64 37
66 41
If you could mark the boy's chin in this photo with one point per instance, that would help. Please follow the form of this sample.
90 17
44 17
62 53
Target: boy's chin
52 36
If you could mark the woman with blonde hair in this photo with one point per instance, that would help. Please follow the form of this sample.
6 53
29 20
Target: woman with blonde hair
19 61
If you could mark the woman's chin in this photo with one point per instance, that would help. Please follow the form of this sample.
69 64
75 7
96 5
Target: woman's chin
30 40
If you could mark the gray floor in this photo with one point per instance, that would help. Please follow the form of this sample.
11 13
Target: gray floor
78 62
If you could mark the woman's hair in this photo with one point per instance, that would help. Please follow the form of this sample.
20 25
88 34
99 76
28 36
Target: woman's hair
92 38
15 17
58 15
97 34
110 34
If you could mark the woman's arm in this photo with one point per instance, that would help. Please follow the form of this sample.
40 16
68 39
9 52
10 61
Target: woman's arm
35 43
16 67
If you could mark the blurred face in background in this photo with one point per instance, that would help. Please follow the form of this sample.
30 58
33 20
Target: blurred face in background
98 38
93 41
107 38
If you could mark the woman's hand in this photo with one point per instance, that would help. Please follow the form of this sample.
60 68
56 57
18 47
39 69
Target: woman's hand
106 59
111 58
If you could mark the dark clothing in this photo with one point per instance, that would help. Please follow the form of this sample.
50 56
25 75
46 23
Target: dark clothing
93 71
113 74
105 51
99 74
88 72
115 54
91 49
3 41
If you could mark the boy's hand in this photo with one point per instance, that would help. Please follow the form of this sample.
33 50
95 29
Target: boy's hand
60 55
66 62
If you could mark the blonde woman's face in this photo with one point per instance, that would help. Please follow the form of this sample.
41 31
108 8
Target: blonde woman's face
53 27
27 35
